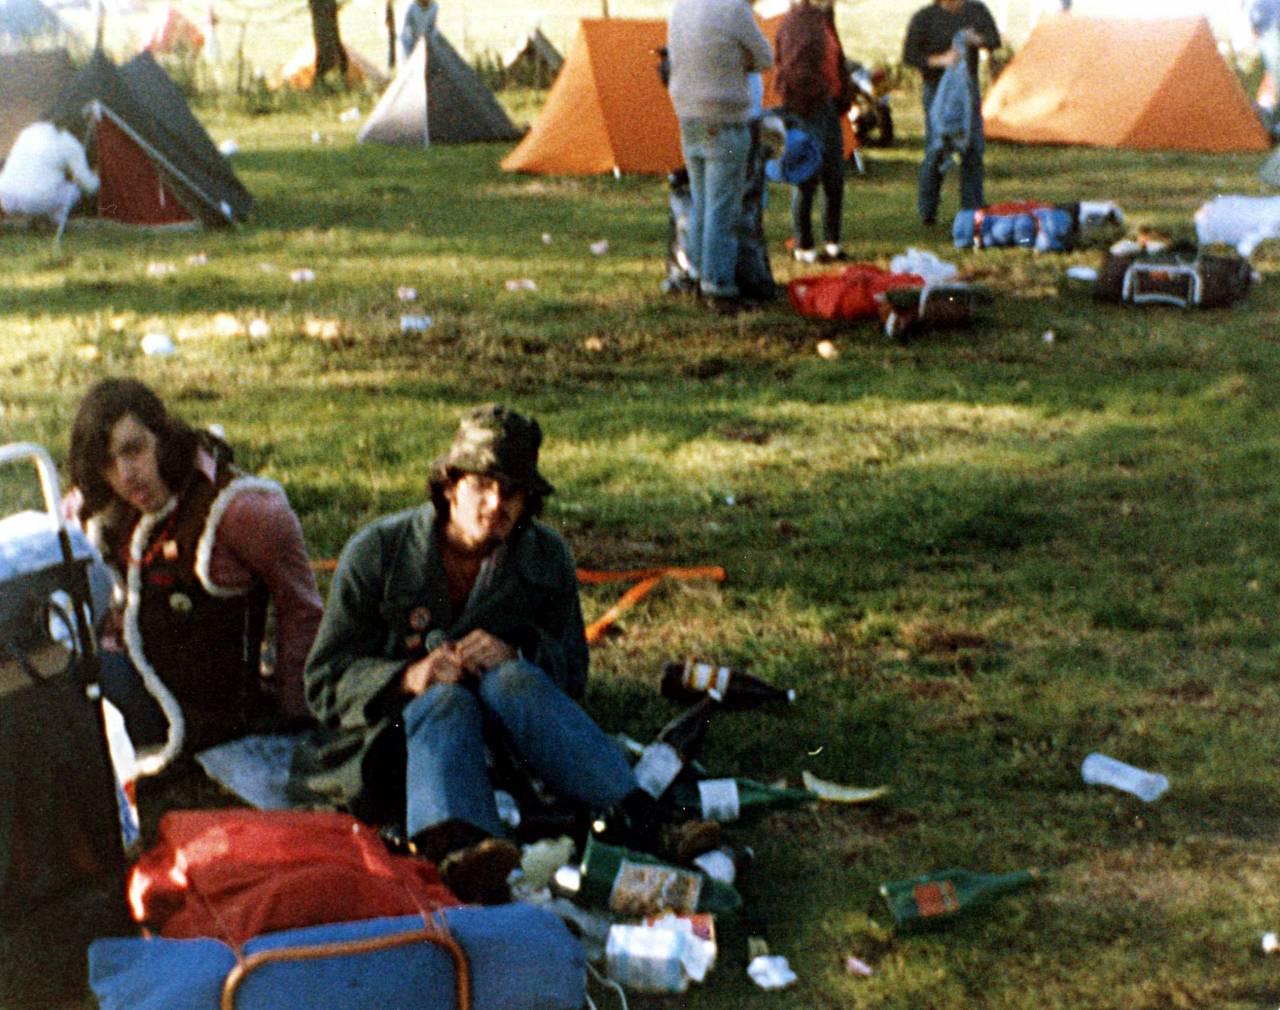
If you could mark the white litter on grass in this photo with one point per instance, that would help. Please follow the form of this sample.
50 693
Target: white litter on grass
1088 274
601 247
1048 336
316 138
856 966
228 147
925 264
521 284
259 329
197 260
1270 943
351 115
415 324
407 294
158 345
155 269
771 972
827 350
546 238
303 275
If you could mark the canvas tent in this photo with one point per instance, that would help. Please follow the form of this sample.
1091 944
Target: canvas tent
436 98
534 56
156 163
173 33
27 81
300 72
1129 83
607 109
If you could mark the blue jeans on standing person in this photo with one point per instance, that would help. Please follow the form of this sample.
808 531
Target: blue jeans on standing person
824 126
446 729
716 156
929 190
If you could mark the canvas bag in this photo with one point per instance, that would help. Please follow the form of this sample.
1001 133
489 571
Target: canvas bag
1180 276
848 294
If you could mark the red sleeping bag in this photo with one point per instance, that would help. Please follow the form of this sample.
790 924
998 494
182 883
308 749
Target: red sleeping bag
848 294
235 874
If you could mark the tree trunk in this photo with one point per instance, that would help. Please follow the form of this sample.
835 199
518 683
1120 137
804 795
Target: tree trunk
330 54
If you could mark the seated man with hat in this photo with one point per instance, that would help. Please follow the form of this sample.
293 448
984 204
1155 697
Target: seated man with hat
449 626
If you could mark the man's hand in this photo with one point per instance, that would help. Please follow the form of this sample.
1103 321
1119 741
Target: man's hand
442 665
947 59
479 651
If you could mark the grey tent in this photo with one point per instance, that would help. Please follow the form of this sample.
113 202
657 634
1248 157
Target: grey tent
156 163
436 98
533 58
27 79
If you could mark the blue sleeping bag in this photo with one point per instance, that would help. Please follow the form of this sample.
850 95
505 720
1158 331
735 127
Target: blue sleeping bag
521 958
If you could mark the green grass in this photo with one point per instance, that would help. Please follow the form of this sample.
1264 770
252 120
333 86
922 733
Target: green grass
977 556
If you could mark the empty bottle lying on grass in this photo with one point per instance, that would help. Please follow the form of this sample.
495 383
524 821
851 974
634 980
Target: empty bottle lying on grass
691 680
944 895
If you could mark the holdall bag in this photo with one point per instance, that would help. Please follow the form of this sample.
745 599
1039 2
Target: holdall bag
848 294
1180 276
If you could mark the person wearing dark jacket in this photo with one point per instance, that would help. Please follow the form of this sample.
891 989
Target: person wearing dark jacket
929 48
816 93
451 627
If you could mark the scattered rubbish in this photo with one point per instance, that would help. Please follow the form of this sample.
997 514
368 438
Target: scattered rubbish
1100 770
226 325
1081 273
771 972
267 268
856 966
730 799
259 329
730 500
940 896
1270 943
521 284
197 260
415 324
155 269
218 430
157 345
89 352
546 238
677 743
833 792
540 860
601 247
118 323
827 350
690 680
757 946
593 344
718 864
228 147
302 275
322 329
351 115
1048 336
933 269
315 137
663 955
407 294
617 172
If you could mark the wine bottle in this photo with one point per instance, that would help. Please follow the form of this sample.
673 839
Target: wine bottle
675 746
691 680
632 885
731 799
946 894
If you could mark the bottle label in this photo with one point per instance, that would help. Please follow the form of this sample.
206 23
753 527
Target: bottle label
706 678
641 889
936 898
719 799
657 768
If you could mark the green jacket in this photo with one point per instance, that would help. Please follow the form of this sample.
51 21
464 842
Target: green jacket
388 605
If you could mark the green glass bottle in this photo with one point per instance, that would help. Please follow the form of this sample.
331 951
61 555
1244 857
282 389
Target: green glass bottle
632 885
945 894
731 799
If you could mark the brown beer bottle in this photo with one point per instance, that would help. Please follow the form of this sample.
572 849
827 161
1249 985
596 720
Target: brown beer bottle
675 746
692 679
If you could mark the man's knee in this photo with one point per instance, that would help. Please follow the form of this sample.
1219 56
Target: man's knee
441 703
513 682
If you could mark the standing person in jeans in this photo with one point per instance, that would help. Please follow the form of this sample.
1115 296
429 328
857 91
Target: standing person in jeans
713 45
928 47
817 92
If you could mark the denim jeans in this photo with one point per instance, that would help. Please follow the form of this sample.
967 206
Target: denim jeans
446 728
824 127
929 189
716 157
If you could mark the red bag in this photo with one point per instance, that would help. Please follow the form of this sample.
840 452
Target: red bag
235 874
849 294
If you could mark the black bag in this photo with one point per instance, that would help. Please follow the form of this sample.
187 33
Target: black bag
62 866
1181 276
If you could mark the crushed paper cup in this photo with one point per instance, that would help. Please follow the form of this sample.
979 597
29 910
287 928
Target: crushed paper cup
415 324
1087 274
157 345
546 238
856 966
1270 943
228 147
259 329
521 284
827 351
303 275
407 294
1048 336
315 137
593 344
600 248
771 972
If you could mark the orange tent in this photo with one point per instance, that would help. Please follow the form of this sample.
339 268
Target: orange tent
300 72
1142 84
608 110
173 33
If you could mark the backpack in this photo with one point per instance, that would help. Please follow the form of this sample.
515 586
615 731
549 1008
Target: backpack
848 294
1180 275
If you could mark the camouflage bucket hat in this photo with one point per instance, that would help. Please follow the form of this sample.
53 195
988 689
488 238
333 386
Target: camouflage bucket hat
496 441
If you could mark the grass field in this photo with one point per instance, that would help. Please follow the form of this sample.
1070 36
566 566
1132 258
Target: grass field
977 556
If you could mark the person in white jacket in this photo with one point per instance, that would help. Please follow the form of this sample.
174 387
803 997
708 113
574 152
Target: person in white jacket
45 175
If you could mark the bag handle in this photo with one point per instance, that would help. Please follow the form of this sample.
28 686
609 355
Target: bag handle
1131 289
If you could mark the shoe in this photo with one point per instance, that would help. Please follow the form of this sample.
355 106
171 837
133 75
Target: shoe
832 253
805 255
928 222
478 873
724 305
